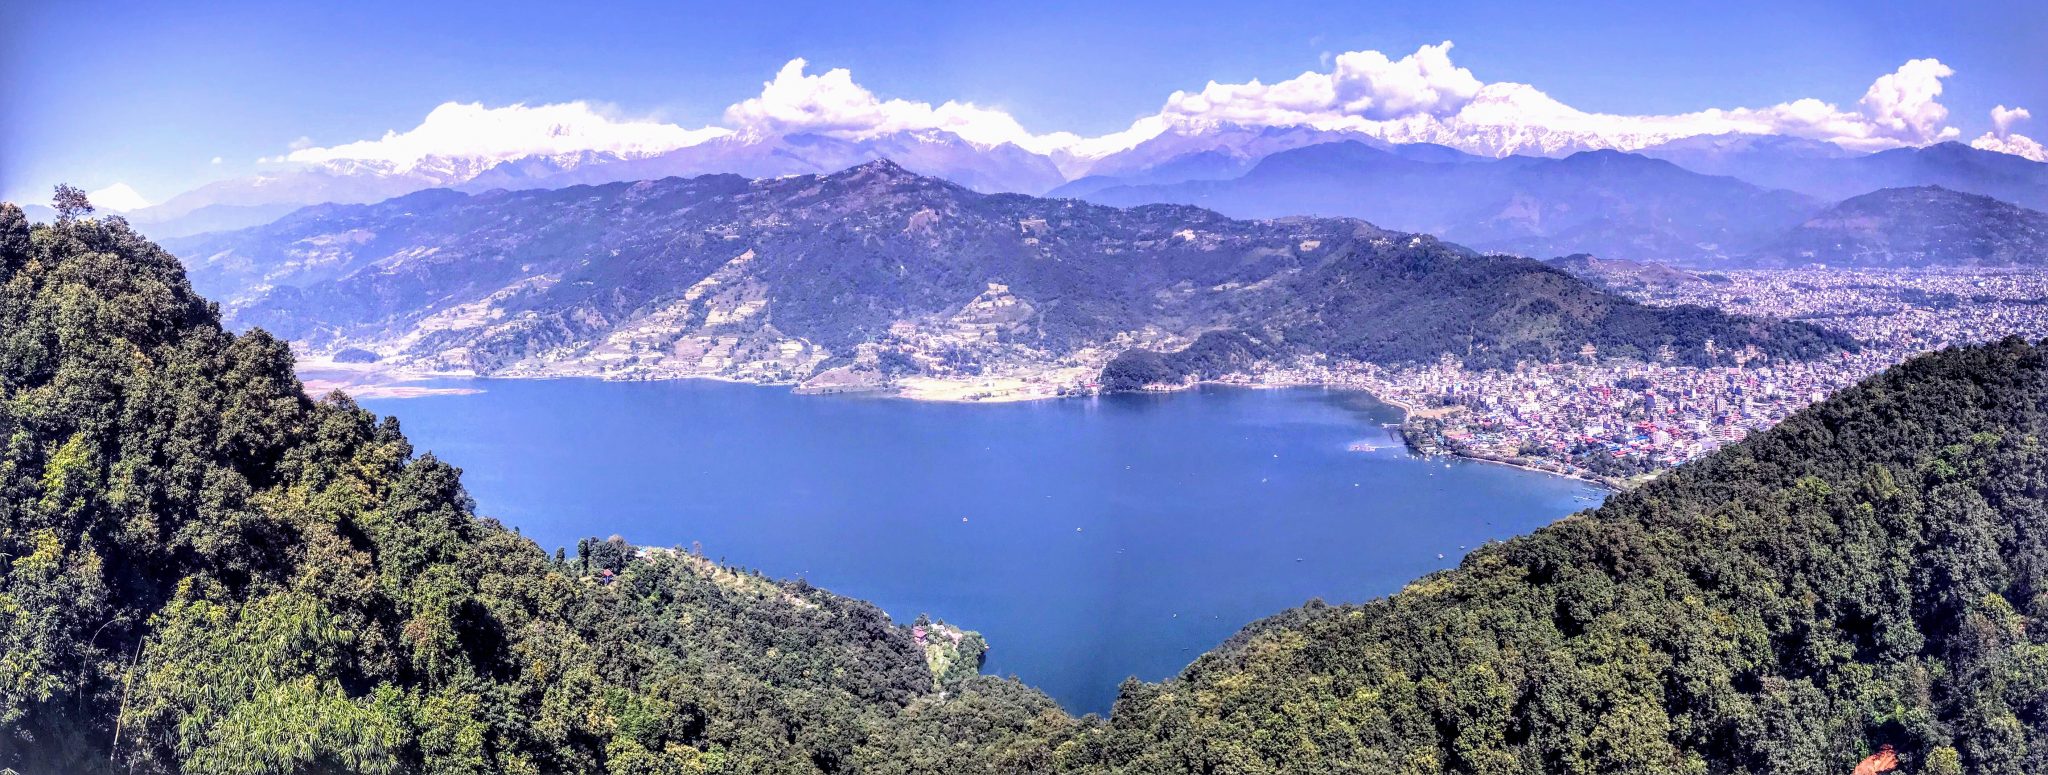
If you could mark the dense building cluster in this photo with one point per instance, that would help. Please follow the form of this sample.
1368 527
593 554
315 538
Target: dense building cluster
1906 311
1615 419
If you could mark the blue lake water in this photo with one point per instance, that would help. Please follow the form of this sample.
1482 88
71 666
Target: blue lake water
1087 539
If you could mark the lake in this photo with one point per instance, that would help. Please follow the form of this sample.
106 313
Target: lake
1088 539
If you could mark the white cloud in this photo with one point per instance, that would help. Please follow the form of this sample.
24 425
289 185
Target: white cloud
2002 118
831 103
2018 145
2002 139
119 198
1361 84
470 130
216 160
1424 97
1419 97
1905 105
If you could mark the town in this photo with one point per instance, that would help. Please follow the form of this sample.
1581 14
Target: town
1620 421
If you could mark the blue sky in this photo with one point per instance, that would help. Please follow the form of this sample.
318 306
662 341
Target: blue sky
150 94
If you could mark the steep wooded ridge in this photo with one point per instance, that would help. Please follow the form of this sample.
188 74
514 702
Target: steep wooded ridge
227 577
1922 226
1873 571
239 580
776 279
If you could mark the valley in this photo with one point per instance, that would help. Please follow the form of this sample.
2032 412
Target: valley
1089 540
389 604
875 278
1197 388
1607 369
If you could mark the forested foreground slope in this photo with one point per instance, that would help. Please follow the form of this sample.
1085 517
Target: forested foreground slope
227 577
1873 571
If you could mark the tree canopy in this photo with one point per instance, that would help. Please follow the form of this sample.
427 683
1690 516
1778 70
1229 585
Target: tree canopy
204 571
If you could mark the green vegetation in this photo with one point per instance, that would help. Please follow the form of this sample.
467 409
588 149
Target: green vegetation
838 260
203 571
1872 571
1211 355
1415 298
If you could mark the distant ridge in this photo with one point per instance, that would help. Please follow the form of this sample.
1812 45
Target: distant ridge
778 279
1921 226
1829 173
1606 203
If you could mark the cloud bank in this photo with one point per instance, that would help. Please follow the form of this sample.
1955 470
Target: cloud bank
2002 139
470 130
1420 97
119 197
1424 97
831 103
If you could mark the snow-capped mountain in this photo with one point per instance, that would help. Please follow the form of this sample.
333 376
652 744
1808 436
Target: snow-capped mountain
1181 152
1003 168
1234 143
242 202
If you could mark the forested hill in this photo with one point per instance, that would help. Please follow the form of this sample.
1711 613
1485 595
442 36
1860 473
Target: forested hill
227 577
1873 571
784 276
1923 226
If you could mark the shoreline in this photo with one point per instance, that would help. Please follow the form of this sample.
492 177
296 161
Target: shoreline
1608 487
1409 412
924 390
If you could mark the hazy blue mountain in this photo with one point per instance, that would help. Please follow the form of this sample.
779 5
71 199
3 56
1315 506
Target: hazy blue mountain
1954 166
536 171
1830 173
243 202
785 276
1199 165
1916 227
1221 165
1242 145
1749 157
1432 152
988 169
1603 202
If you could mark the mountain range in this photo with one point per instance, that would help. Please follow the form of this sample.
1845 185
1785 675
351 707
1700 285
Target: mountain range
877 267
1725 200
1606 203
1824 171
1644 207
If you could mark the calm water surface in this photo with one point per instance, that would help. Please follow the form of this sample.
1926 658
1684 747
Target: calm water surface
1088 539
